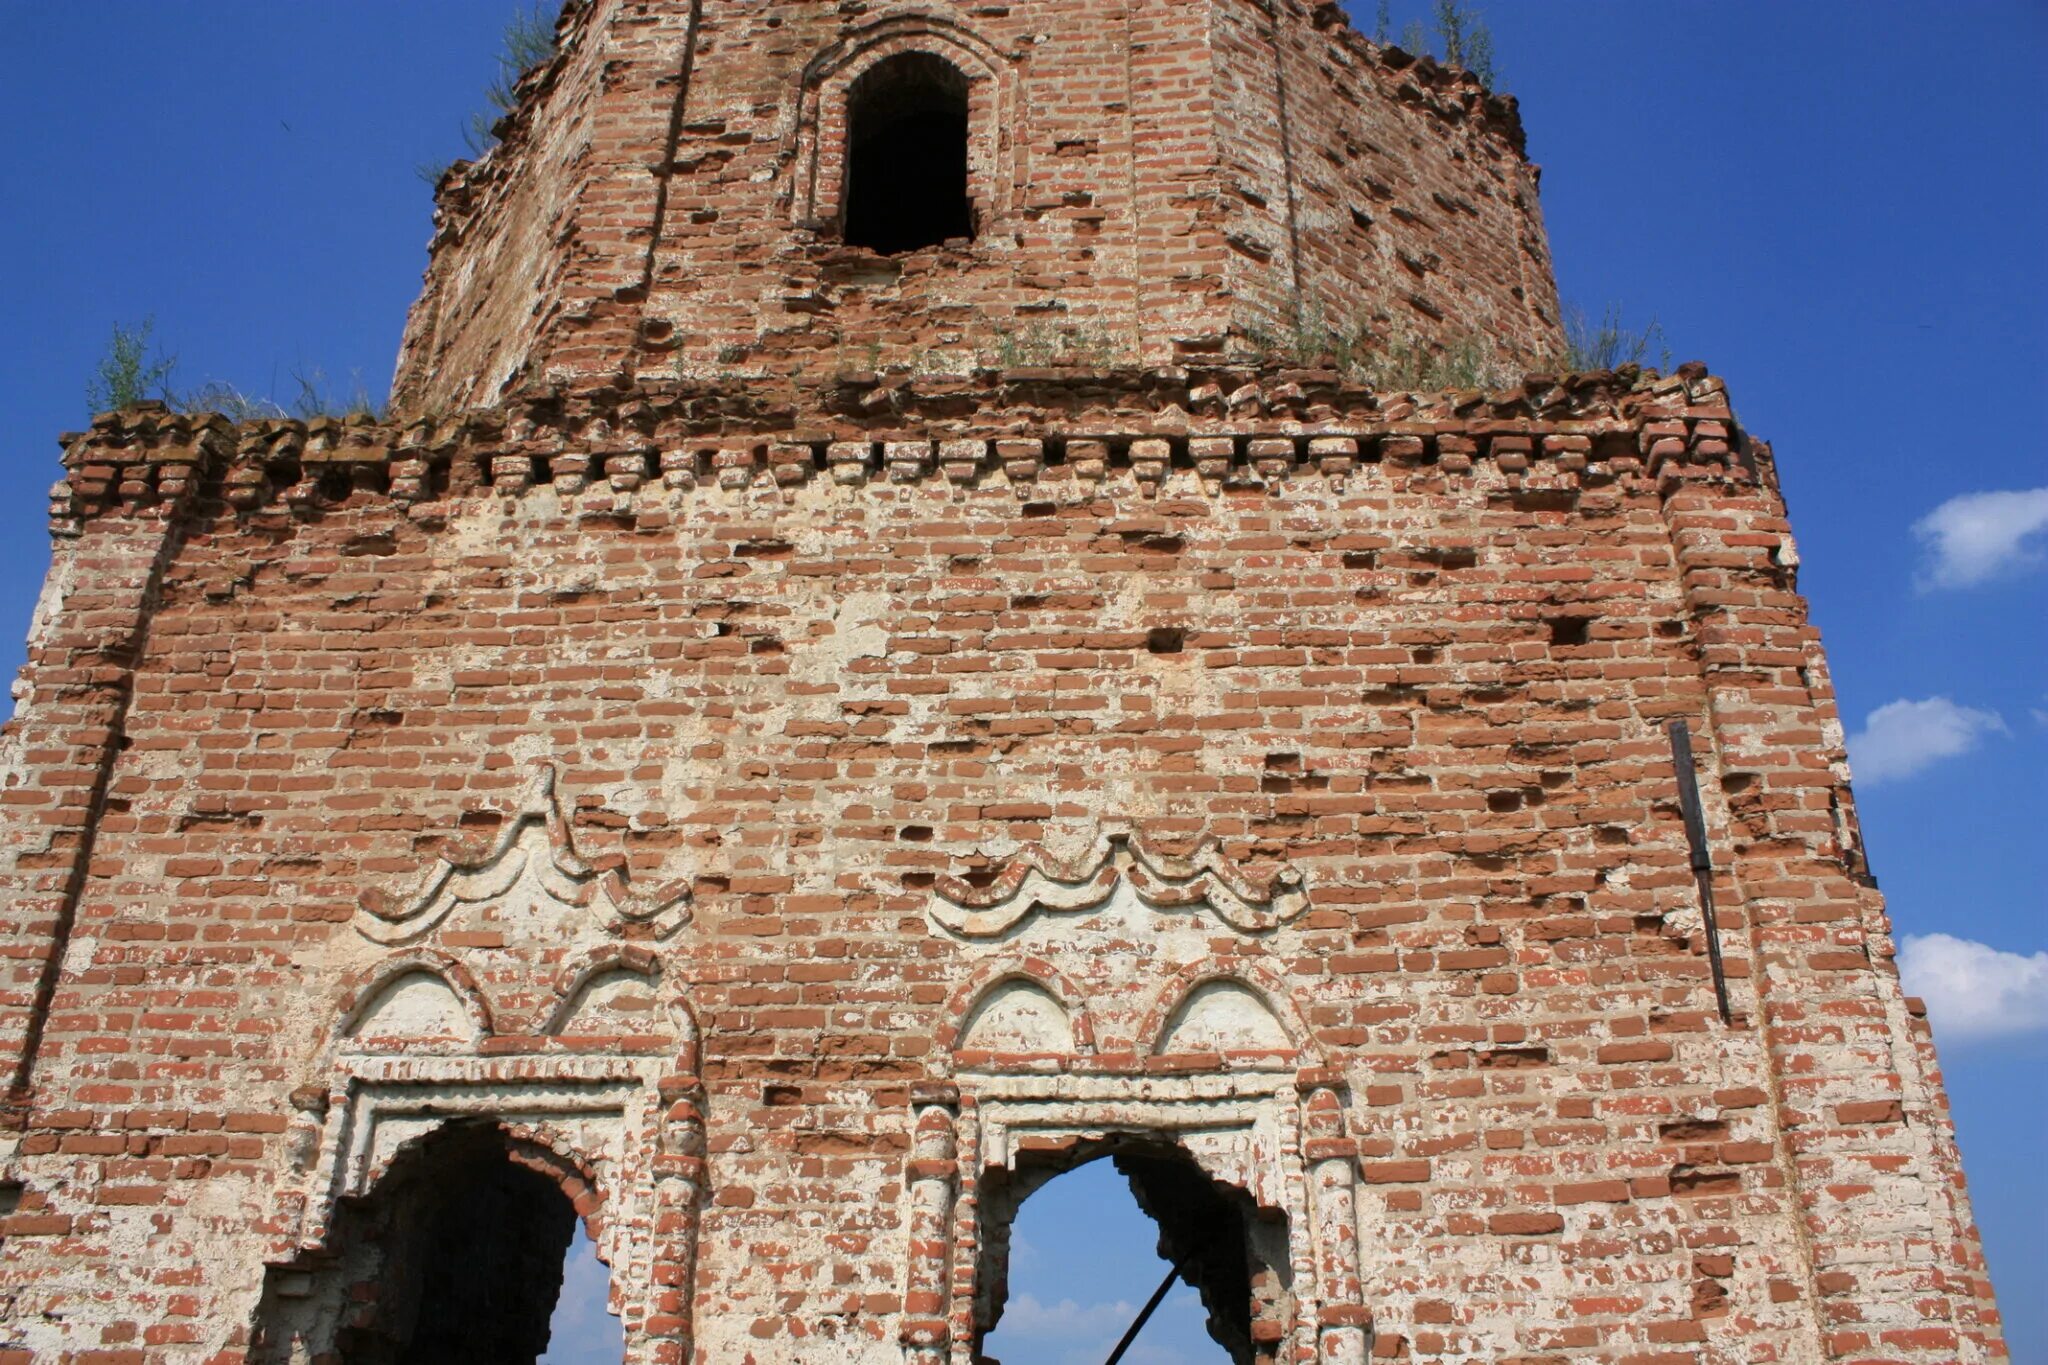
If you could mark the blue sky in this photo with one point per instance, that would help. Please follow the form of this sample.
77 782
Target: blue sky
1840 206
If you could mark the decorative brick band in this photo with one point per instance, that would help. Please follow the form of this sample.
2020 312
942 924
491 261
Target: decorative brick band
1033 881
1099 433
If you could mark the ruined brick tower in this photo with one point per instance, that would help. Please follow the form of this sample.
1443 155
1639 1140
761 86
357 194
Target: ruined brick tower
878 662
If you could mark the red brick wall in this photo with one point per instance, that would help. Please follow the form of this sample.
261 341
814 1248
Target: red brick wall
1415 213
511 232
1160 181
789 809
810 677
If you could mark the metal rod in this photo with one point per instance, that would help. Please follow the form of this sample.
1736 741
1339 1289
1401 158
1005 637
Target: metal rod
1702 863
1145 1314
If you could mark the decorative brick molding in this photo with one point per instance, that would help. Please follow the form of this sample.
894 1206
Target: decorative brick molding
1032 882
533 856
630 1122
1072 1031
625 453
1243 1130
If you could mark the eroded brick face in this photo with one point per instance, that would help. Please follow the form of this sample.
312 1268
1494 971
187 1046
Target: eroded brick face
780 819
1153 181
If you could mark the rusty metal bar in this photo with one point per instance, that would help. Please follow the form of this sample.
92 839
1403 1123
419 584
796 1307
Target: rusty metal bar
1145 1314
1702 862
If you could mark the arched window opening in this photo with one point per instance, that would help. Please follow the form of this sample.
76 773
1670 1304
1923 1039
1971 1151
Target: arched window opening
906 156
1072 1252
458 1258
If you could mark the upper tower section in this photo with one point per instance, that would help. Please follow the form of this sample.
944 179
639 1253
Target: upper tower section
768 190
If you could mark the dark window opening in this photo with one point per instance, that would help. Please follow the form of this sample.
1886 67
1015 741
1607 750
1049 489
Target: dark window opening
1071 1261
906 156
468 1253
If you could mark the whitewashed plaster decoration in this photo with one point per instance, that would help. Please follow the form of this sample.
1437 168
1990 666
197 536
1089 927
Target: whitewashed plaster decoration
1223 1016
414 1007
1275 1133
534 845
416 1052
632 1125
1019 1015
1034 881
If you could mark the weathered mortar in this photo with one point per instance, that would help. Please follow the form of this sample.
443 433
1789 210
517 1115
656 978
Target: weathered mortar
790 814
1158 181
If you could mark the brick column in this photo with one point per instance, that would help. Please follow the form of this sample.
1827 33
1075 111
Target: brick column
649 48
114 520
933 1176
678 1204
1344 1327
1894 1277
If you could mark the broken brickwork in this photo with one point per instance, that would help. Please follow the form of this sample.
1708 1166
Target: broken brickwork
780 820
1153 182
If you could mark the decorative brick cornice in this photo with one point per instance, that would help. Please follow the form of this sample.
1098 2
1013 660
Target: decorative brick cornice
1235 429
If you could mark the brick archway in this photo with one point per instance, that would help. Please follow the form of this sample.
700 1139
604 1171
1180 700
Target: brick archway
455 1257
1232 1249
1268 1142
613 1122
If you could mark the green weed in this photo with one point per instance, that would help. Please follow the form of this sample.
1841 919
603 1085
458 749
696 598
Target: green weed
527 41
133 370
1462 37
1609 343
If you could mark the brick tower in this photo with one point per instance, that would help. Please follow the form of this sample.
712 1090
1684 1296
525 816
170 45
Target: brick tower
881 658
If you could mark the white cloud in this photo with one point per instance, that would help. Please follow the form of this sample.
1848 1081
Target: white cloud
1024 1316
1976 537
1903 737
1974 990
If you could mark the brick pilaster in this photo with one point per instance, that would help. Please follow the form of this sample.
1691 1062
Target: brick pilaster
1863 1129
58 752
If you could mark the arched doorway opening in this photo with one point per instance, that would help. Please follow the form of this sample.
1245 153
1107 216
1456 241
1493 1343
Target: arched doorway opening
457 1258
906 155
1064 1270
